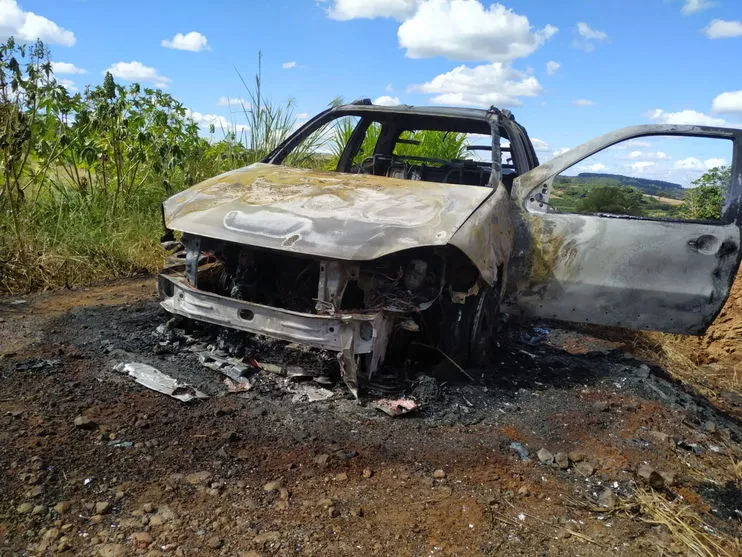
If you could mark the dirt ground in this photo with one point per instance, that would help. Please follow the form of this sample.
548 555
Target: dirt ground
633 462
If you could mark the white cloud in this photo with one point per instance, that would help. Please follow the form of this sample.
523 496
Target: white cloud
691 163
561 151
465 30
552 67
302 116
68 84
193 42
597 167
540 145
389 88
695 6
691 117
722 29
136 71
631 144
582 102
66 68
219 122
588 37
369 9
232 101
386 100
713 163
484 85
28 26
590 34
641 166
730 101
288 65
657 155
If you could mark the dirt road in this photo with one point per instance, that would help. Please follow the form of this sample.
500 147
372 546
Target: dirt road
568 445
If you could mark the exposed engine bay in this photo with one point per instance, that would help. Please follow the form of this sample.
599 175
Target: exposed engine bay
368 311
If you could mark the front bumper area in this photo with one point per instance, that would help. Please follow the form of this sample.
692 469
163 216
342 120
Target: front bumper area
348 334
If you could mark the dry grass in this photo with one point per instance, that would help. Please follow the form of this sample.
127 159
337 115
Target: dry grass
686 528
676 354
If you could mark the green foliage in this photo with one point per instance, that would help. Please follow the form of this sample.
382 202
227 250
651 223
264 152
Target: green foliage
434 144
616 200
706 199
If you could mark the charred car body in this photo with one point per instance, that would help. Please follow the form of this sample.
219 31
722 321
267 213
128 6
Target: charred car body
391 248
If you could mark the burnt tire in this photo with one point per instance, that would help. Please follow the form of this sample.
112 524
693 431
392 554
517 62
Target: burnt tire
468 330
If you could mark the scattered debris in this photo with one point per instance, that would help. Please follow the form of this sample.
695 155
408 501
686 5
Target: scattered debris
235 387
396 407
310 393
520 449
154 379
84 422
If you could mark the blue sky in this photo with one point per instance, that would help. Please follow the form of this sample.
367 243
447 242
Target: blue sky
569 70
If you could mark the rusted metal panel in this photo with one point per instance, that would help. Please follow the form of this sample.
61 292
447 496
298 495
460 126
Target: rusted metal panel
340 216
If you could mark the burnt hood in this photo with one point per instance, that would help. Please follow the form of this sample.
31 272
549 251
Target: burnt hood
327 214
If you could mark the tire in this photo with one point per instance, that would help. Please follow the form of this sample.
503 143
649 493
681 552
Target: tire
468 330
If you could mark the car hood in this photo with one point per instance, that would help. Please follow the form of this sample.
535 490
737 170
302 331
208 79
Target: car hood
328 214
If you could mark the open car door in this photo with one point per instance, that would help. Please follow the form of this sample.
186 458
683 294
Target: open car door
642 271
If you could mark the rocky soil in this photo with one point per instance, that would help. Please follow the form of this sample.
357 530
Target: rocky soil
567 445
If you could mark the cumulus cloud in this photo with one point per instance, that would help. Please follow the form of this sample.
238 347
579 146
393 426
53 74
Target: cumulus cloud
466 30
68 84
302 116
714 163
193 42
136 71
288 65
722 29
691 117
540 145
28 26
389 88
552 67
596 167
582 102
694 6
386 100
641 166
232 101
728 102
66 68
370 9
591 34
561 151
656 155
484 85
690 163
219 122
587 37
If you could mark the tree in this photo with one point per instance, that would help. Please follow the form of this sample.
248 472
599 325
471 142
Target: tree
618 200
705 201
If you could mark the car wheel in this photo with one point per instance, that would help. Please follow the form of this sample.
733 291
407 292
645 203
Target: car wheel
469 329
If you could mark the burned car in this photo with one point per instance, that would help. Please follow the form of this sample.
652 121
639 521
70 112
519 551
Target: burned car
424 224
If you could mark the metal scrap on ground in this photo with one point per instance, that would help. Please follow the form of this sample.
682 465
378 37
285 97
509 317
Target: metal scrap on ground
154 379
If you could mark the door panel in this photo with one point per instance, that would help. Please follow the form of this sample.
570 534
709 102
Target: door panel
642 273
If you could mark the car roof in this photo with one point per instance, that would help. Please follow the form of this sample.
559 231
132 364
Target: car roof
364 106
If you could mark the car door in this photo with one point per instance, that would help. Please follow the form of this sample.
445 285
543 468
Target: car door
641 271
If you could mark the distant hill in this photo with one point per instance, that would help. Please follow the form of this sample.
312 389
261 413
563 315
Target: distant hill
650 187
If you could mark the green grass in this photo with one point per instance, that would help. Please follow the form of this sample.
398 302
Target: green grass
71 242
